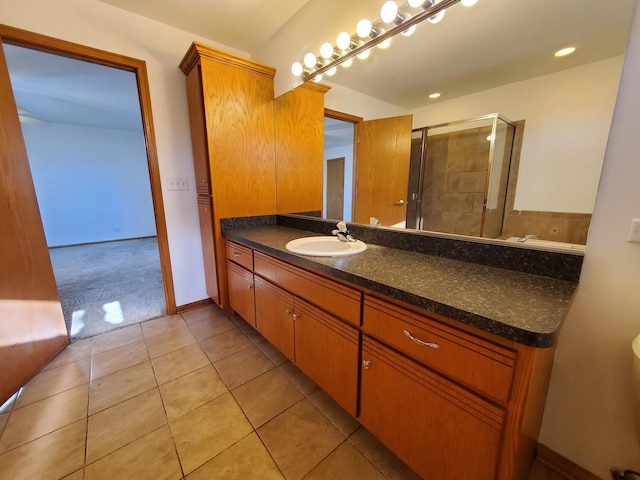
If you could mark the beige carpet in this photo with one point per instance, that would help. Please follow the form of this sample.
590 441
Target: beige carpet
105 286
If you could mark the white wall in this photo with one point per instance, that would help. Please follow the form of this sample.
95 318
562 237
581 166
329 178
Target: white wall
568 116
96 24
355 103
337 152
92 184
588 416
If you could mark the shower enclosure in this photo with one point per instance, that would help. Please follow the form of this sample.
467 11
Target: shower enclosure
458 176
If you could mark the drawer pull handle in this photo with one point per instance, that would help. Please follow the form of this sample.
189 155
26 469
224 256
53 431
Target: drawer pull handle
296 316
287 311
435 346
237 254
366 364
250 287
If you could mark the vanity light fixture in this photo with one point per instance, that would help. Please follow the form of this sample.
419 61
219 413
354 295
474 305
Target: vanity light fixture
393 20
563 52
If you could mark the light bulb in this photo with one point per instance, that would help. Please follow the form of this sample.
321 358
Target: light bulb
331 72
385 44
437 17
363 29
416 3
326 50
389 11
364 54
563 52
347 63
310 60
409 31
317 78
435 95
297 69
343 41
467 3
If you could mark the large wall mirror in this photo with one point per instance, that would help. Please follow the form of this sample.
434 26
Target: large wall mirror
496 57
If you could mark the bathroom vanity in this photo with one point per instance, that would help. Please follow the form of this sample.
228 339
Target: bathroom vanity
447 362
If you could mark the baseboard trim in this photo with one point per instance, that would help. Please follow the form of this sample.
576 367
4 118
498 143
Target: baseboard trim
562 466
194 305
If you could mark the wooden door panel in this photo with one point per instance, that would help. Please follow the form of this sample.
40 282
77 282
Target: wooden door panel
208 247
32 328
382 170
274 316
241 295
438 429
327 351
335 188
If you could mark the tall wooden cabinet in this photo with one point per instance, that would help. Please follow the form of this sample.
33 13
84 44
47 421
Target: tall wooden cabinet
231 114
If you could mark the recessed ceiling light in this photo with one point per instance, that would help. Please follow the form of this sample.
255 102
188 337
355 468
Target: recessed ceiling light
563 52
434 95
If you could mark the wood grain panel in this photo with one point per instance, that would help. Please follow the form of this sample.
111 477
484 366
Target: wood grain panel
274 316
339 300
240 254
382 170
327 351
209 258
32 328
299 133
198 131
241 292
438 429
485 367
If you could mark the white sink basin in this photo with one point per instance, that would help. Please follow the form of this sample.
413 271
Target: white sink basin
325 247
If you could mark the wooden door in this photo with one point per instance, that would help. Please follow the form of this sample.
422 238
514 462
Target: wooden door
274 316
241 296
382 170
437 428
32 328
335 188
327 351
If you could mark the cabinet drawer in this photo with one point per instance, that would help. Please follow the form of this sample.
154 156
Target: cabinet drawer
337 299
240 254
475 362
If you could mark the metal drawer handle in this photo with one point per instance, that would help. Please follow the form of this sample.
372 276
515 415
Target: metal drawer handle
250 287
296 316
237 254
287 311
366 364
420 342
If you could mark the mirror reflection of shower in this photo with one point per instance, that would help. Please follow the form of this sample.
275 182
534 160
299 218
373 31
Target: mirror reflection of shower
458 176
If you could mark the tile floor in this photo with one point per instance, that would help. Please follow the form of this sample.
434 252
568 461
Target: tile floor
192 396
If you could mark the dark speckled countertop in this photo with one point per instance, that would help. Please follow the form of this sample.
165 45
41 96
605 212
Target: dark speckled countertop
522 307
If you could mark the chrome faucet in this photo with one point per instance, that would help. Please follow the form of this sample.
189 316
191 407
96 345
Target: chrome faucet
342 233
526 237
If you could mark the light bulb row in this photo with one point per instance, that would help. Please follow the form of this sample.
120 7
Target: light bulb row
392 17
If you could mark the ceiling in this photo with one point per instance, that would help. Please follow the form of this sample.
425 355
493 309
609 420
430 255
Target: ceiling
493 43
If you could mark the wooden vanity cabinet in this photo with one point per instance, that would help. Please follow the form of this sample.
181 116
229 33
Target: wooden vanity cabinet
241 296
274 316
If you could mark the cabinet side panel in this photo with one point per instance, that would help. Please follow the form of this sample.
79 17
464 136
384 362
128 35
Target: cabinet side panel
299 150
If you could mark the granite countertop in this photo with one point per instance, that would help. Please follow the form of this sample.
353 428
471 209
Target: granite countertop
522 307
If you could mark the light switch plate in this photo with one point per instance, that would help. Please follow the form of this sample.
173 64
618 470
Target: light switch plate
177 183
634 231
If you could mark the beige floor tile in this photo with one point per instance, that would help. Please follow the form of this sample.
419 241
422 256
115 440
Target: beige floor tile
202 313
238 321
117 359
48 458
247 459
225 344
3 421
299 439
117 338
45 416
251 333
384 459
345 462
56 380
342 419
266 396
272 353
174 364
174 339
117 387
538 472
151 457
206 431
162 325
243 366
79 475
555 476
210 327
191 391
72 353
297 376
123 423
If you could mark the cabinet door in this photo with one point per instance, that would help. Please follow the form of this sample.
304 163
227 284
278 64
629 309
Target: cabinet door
241 295
274 316
327 351
437 428
208 247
